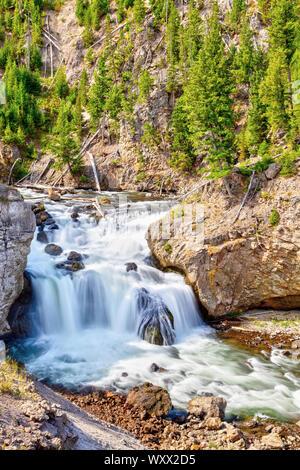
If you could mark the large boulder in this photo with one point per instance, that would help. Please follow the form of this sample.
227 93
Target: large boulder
235 264
150 398
207 407
17 225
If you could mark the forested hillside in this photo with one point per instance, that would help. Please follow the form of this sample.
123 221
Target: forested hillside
175 89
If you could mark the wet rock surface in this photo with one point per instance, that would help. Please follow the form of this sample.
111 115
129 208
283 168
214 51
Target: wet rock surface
53 250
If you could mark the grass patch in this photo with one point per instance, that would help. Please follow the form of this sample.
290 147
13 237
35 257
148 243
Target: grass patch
14 381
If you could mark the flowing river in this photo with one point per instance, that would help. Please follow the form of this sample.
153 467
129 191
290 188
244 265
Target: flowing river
87 323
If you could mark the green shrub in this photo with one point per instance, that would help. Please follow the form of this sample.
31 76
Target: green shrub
274 218
168 248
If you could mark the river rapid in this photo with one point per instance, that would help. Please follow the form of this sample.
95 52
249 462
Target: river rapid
86 324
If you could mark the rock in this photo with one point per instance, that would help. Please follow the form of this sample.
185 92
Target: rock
273 441
131 267
213 423
207 407
273 170
53 227
53 195
74 215
42 237
155 368
296 344
233 434
151 398
49 221
53 250
156 322
17 226
104 200
224 258
71 266
124 374
38 207
74 256
18 317
41 217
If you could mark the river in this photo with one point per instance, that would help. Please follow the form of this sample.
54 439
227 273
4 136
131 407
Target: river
87 324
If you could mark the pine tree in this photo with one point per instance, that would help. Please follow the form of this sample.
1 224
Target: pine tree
99 91
139 11
244 59
64 145
146 83
257 125
207 100
83 87
61 84
238 7
274 92
80 11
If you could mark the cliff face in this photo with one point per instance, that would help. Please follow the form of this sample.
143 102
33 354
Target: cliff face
234 266
124 159
17 225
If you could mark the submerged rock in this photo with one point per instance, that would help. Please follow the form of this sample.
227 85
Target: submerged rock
156 322
74 256
42 237
71 266
53 250
131 267
207 407
152 399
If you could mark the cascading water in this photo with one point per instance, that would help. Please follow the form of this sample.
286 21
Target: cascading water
88 325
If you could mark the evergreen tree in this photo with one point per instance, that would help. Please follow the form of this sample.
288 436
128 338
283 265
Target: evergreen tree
64 145
146 83
238 7
61 84
83 87
139 11
99 91
274 92
207 101
244 59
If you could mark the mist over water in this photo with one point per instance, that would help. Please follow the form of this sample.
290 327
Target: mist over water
87 324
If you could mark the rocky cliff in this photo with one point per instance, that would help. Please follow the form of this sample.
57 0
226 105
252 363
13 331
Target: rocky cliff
17 225
237 263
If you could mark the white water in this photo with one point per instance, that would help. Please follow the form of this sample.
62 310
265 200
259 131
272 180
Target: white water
87 323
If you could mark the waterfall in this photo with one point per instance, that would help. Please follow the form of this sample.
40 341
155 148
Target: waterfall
107 324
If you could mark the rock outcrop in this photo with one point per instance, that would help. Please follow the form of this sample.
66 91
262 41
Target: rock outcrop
236 265
17 225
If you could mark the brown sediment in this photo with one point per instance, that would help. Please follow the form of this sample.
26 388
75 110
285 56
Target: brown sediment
192 434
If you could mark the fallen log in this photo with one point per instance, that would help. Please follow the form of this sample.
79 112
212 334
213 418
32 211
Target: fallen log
45 170
12 169
92 160
245 198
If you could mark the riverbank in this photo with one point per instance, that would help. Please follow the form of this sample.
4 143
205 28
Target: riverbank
34 417
192 433
261 330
